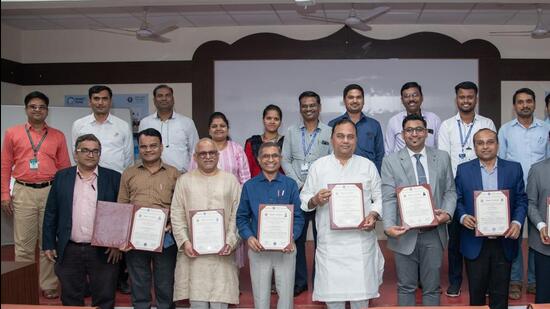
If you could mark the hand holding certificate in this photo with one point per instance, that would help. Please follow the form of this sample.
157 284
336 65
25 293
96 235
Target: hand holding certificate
127 226
492 212
346 206
207 231
416 206
275 225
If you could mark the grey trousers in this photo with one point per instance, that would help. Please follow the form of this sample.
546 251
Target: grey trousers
359 304
262 265
424 260
207 305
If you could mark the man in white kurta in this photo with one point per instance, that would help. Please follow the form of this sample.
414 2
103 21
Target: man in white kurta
209 281
348 263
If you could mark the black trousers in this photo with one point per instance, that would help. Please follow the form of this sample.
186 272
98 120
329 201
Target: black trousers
489 273
542 275
454 256
81 261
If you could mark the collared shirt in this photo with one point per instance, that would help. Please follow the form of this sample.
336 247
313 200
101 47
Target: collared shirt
139 186
370 141
449 138
393 141
259 190
524 145
84 205
17 153
115 135
179 136
293 149
489 179
423 160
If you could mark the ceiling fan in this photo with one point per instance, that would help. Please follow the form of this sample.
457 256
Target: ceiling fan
353 20
541 30
146 31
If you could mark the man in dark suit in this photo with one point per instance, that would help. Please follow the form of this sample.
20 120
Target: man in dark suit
68 226
489 259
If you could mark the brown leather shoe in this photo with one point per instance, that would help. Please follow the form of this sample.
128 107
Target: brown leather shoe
515 291
50 294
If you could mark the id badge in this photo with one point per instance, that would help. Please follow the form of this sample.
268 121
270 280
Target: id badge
304 168
33 164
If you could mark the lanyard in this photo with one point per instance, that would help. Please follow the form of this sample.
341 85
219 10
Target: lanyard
463 140
35 149
306 151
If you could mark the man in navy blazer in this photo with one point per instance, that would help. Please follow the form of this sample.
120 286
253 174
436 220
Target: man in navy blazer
489 259
68 226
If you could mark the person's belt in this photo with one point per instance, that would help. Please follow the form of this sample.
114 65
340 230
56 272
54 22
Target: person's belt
38 185
426 229
80 244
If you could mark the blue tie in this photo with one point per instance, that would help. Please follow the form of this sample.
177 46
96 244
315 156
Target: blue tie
420 170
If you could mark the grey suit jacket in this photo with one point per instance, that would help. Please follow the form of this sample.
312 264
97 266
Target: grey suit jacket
398 171
538 188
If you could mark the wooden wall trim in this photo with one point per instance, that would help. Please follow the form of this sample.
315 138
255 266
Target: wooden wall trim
525 69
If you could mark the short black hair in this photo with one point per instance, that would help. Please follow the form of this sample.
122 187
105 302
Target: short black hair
268 144
466 85
36 95
86 137
483 130
98 89
408 85
309 94
150 132
523 90
353 87
273 107
414 117
342 122
160 87
547 99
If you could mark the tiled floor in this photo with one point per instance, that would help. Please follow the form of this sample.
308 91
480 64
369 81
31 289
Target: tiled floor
303 301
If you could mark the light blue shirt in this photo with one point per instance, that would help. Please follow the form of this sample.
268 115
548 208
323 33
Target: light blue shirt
524 145
489 179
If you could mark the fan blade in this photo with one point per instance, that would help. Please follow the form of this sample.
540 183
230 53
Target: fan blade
362 27
114 31
164 28
155 38
375 13
328 20
509 32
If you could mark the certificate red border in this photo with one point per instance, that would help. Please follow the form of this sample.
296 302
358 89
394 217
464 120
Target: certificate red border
192 213
291 208
507 194
429 188
333 225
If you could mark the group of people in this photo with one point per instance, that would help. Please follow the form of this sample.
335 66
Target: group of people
55 204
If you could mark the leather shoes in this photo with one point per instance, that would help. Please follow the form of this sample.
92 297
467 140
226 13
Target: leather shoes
50 294
123 287
299 290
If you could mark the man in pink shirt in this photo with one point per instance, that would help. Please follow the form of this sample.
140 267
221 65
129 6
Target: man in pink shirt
32 153
69 223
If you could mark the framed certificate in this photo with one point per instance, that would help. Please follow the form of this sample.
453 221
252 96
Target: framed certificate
346 206
416 206
275 225
207 230
118 225
492 212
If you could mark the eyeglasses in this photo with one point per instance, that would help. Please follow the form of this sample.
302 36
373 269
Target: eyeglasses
149 147
37 107
490 142
411 96
272 156
206 154
417 130
87 152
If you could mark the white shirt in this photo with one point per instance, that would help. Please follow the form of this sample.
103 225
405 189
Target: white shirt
115 135
179 137
348 263
449 138
423 160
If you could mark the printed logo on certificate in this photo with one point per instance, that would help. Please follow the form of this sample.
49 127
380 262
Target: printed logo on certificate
207 231
346 206
492 212
416 206
275 225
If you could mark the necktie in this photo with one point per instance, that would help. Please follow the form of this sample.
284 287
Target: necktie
420 170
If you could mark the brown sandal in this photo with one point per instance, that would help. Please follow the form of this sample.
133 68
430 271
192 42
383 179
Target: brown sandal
50 294
515 291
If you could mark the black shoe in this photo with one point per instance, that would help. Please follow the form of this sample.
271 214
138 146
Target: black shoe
299 290
453 291
123 287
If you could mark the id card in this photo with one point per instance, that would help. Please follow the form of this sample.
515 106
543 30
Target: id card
33 164
304 168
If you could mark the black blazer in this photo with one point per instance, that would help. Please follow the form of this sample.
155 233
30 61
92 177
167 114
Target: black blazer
58 216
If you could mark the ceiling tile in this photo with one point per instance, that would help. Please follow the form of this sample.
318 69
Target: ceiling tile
296 19
119 22
251 9
73 21
441 17
257 19
488 18
393 17
211 20
26 22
